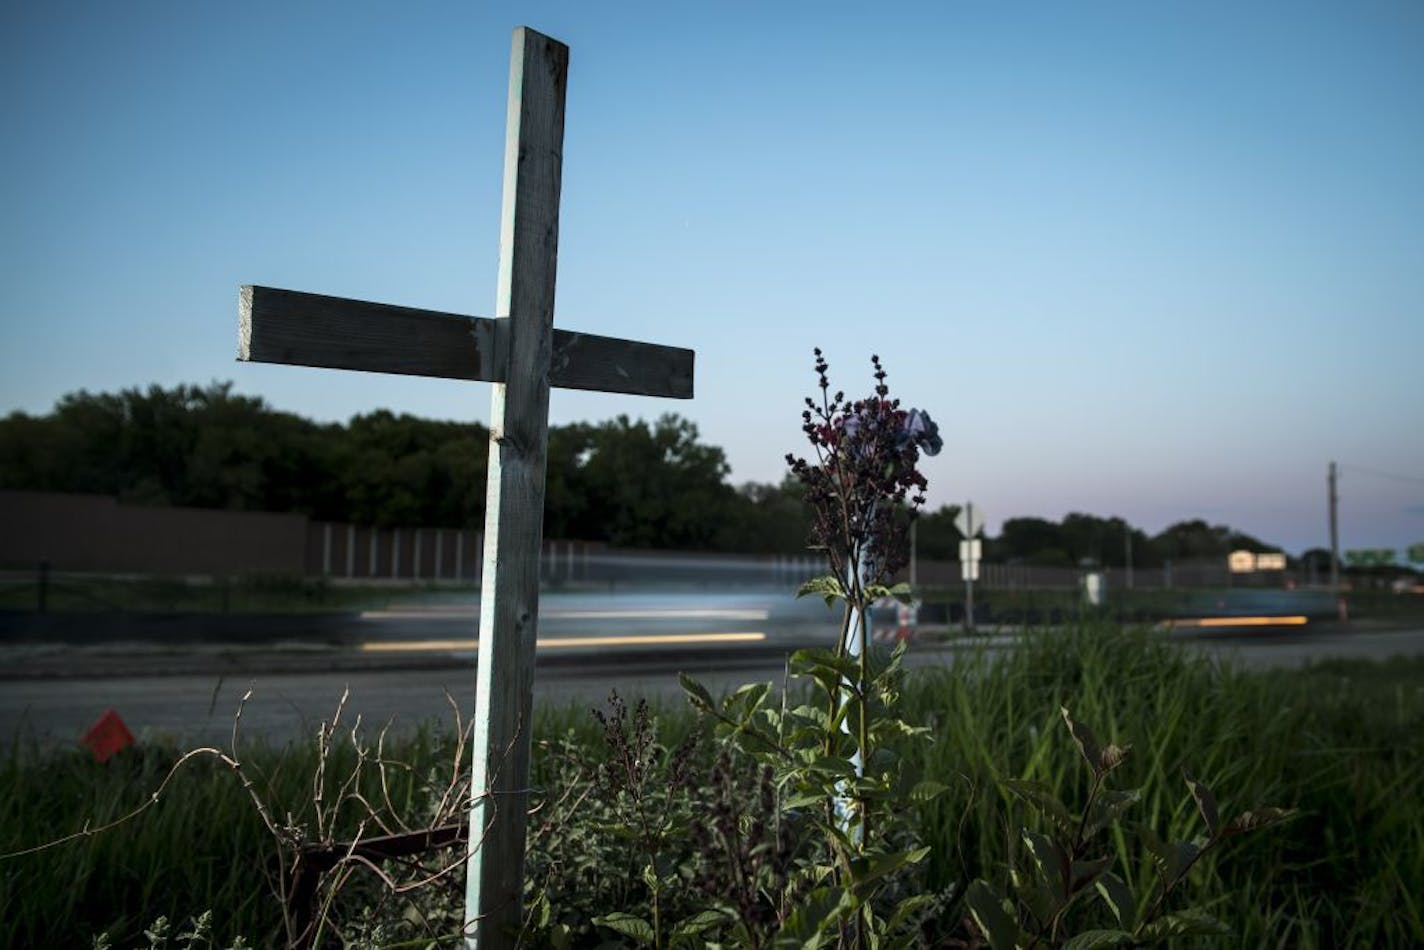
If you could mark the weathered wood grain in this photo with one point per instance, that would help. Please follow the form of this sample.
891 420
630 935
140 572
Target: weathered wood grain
304 329
514 505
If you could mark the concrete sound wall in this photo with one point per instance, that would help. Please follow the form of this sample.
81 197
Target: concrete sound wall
98 533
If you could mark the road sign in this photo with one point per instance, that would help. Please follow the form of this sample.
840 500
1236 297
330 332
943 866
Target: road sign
1370 557
969 520
969 570
971 550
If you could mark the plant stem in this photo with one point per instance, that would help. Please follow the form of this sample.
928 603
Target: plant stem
1160 904
864 738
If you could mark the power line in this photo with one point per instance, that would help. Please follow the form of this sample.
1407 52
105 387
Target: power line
1378 474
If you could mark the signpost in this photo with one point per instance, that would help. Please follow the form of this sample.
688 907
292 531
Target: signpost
523 355
969 522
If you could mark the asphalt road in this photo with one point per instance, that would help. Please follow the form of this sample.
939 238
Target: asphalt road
413 662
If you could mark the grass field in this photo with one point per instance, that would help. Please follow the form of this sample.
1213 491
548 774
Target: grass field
1342 742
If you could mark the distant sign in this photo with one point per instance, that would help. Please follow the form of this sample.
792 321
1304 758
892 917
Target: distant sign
1247 562
971 550
1371 557
969 520
969 570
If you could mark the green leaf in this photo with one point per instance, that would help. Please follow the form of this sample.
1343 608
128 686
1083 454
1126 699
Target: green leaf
749 696
1041 797
1086 742
830 765
1036 896
1109 806
1172 859
1051 860
811 715
927 791
627 925
994 915
907 908
812 915
1118 898
753 740
696 692
1206 804
1154 844
813 660
1258 819
1185 923
699 923
1178 859
900 592
804 800
1098 940
1083 873
827 586
869 868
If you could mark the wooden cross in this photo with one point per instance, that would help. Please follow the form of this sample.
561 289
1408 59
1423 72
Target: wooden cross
523 355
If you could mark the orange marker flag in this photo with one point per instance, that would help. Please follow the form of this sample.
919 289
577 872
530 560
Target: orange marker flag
107 736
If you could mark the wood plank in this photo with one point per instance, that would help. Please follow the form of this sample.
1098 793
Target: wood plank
607 364
514 506
303 329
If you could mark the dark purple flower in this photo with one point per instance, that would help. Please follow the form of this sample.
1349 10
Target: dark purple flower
864 485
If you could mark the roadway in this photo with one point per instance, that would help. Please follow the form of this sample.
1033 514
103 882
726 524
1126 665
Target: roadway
406 662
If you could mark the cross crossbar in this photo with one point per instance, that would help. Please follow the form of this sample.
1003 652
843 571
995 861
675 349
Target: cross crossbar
303 329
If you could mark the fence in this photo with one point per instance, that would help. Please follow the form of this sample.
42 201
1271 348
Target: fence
95 533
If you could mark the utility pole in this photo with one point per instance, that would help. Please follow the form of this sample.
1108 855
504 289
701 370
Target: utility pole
1129 557
1334 534
914 580
969 574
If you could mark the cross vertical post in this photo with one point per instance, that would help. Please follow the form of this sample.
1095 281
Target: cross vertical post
514 503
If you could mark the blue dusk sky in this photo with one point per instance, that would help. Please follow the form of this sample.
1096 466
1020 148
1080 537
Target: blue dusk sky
1161 261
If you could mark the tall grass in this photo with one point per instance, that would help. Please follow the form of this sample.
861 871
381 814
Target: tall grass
202 845
1343 742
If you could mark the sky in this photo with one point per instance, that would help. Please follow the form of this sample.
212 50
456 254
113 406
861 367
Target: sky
1160 261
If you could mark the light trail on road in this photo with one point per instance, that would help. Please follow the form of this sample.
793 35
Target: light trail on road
1208 622
468 613
652 639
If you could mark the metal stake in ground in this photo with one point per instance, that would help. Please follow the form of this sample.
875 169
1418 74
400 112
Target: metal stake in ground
523 355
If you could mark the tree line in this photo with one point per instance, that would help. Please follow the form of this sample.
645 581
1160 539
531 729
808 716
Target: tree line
623 482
